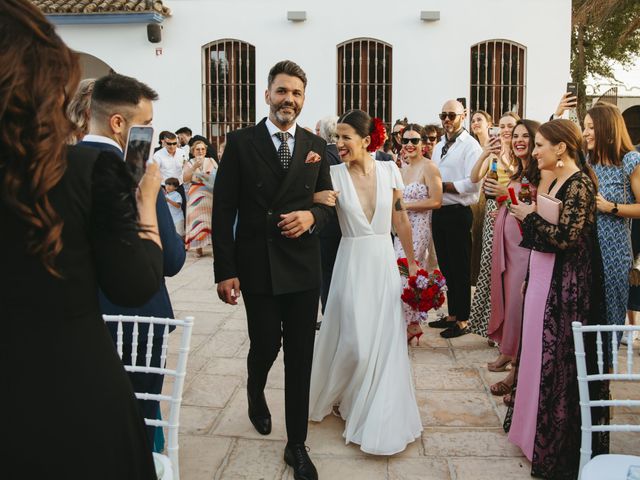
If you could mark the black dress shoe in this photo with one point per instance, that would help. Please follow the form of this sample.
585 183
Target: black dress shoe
303 468
442 323
259 414
454 332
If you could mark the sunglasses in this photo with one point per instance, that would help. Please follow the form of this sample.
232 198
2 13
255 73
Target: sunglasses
170 143
414 141
431 139
450 115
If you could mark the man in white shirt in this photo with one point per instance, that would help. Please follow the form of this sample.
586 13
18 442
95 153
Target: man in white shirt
455 156
170 159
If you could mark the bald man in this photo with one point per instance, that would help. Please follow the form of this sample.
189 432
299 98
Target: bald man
455 156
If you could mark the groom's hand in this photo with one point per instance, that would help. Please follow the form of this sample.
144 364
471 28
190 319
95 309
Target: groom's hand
229 291
294 224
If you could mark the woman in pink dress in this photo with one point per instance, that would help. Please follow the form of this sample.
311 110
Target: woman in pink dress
509 261
422 193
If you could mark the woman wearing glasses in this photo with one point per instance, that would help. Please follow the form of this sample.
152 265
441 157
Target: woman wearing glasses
422 193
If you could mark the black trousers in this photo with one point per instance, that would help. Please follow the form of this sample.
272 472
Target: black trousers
452 238
289 320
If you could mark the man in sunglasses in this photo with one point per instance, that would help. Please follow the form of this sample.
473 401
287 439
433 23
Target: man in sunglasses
170 159
455 156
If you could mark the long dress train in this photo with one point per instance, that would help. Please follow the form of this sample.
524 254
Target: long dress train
360 359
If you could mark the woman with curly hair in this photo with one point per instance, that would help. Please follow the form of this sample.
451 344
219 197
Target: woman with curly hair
71 224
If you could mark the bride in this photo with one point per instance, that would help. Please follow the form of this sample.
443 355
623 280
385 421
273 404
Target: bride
360 364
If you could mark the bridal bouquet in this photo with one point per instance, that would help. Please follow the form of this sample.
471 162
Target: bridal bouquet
424 291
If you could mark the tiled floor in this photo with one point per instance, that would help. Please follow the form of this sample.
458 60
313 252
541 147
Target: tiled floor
462 440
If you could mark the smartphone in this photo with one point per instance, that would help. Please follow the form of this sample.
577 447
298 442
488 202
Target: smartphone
494 132
138 149
572 88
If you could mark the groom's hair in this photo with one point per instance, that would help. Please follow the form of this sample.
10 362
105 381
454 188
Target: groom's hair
288 68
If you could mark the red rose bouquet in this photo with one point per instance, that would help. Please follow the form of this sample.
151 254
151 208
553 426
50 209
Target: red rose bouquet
424 291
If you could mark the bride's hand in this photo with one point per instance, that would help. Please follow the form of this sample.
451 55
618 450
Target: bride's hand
413 269
326 197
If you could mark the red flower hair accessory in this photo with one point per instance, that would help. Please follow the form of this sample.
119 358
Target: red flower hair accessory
377 136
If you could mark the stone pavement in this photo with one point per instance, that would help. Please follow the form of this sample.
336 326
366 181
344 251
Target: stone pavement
462 439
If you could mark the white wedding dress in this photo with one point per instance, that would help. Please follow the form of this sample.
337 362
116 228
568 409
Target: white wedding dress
360 360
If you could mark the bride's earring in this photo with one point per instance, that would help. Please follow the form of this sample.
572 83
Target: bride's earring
559 162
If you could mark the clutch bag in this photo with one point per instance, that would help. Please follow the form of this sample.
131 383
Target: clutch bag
549 208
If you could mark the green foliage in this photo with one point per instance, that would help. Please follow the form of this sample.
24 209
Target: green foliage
604 32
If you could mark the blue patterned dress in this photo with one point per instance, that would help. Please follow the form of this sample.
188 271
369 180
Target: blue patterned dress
614 235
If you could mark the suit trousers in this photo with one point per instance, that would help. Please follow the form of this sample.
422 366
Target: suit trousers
452 238
290 320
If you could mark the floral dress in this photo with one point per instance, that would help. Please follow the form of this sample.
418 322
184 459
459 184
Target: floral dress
614 236
421 234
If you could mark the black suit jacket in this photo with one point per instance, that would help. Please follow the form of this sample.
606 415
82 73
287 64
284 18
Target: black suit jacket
251 183
173 256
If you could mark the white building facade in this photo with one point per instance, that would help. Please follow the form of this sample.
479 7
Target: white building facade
394 59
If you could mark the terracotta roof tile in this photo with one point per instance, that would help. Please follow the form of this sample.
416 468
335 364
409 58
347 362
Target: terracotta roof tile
101 6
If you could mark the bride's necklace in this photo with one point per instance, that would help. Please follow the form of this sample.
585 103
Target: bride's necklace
366 173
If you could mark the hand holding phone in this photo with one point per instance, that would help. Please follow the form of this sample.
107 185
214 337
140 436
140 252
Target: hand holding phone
138 149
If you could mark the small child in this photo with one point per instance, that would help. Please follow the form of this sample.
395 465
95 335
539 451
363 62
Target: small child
175 203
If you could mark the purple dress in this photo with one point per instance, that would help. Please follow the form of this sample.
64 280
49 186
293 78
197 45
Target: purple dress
564 285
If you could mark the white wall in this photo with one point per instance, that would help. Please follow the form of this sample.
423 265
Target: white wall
430 59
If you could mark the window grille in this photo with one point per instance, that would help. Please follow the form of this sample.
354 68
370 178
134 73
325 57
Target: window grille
364 77
228 84
498 77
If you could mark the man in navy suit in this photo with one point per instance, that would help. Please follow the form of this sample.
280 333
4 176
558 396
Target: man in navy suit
117 103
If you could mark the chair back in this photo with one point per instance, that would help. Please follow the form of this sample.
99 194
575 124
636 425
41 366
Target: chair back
616 373
152 326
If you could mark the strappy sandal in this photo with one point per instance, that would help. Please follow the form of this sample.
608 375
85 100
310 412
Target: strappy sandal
498 367
508 399
500 389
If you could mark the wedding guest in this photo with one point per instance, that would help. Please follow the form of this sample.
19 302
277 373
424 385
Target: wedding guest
564 286
396 137
161 136
117 103
71 224
78 110
422 194
615 162
481 304
360 360
330 235
634 290
480 123
510 261
184 135
432 136
174 200
199 173
455 156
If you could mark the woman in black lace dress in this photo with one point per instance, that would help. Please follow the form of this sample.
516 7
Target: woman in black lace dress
69 226
564 286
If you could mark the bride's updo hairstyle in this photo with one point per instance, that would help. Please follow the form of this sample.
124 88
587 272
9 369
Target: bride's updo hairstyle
361 122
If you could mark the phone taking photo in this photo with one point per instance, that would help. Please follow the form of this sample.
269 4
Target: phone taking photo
572 88
494 132
138 149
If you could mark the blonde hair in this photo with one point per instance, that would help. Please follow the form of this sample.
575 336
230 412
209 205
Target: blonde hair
78 110
195 144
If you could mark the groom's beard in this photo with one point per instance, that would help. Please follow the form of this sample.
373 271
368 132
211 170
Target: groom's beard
285 118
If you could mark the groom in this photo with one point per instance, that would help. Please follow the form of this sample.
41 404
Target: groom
268 176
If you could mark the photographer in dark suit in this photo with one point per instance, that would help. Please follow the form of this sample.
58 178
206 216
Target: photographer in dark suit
267 177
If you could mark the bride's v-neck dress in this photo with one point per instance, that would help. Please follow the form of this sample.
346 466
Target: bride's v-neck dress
360 360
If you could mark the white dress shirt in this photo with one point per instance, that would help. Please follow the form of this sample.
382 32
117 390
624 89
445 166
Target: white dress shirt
101 139
456 166
276 141
170 165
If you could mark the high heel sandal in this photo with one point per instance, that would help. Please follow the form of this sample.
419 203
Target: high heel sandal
414 330
499 367
500 389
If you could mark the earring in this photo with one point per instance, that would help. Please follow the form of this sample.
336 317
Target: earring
559 163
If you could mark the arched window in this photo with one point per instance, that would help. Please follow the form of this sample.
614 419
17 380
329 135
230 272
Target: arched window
498 77
228 84
364 77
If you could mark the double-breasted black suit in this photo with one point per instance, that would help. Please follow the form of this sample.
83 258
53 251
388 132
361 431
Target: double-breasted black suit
279 277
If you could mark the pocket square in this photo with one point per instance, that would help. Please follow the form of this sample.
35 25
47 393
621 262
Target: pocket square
313 157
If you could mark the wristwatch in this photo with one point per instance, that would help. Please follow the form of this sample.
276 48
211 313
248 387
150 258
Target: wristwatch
614 210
